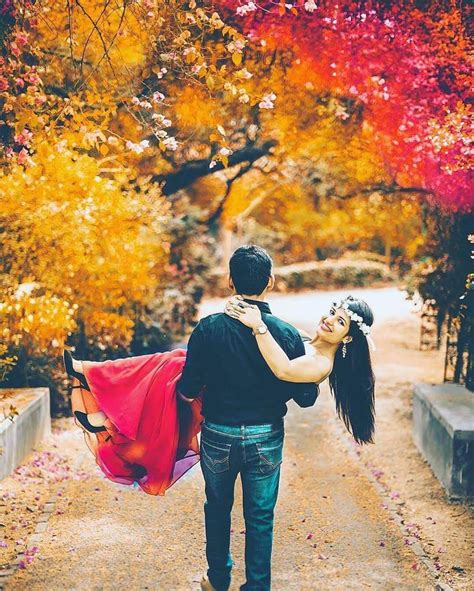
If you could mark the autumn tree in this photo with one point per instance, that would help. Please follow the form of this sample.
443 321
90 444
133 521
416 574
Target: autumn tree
168 121
90 243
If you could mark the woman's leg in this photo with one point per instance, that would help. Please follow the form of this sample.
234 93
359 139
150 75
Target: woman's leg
96 419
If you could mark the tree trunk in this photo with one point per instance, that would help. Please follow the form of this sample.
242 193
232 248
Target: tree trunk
388 251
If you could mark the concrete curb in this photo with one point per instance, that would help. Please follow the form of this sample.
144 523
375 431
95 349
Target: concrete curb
18 437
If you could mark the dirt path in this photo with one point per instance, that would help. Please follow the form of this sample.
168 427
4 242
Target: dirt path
106 537
338 519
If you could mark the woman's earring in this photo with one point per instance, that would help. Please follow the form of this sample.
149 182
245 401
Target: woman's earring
344 350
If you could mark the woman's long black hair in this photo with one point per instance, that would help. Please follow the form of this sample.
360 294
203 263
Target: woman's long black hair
352 381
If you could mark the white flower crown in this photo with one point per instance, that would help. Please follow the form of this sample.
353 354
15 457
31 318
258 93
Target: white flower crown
364 328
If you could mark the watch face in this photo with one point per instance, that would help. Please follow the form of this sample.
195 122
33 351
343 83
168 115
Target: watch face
262 329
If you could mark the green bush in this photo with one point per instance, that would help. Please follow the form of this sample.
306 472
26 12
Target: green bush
328 274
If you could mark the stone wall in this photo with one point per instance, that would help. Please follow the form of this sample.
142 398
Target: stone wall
18 437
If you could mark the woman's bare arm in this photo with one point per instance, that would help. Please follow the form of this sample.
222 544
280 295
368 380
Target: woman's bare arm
305 369
308 368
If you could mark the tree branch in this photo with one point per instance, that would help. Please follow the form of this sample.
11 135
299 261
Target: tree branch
220 208
382 188
195 169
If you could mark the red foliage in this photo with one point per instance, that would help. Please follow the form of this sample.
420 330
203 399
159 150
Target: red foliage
406 68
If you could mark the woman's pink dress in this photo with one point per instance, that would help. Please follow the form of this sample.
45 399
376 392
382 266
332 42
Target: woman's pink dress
151 435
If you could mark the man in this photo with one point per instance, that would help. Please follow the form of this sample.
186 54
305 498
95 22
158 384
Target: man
243 431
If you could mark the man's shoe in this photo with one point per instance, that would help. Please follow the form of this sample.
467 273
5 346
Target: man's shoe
206 585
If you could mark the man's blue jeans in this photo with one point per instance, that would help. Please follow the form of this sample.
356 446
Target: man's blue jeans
254 451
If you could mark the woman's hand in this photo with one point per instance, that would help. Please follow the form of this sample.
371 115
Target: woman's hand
248 314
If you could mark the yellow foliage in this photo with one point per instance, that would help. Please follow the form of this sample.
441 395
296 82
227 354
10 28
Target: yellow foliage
88 248
194 108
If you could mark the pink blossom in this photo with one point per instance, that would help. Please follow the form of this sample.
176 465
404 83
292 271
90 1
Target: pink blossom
33 78
21 38
15 49
24 138
22 156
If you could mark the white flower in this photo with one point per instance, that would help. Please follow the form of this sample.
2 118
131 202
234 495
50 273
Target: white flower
267 101
246 9
171 143
310 6
341 113
245 74
252 131
158 96
134 147
198 67
224 151
212 163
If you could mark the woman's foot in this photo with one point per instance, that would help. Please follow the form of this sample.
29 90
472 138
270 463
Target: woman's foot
97 419
77 365
71 365
83 419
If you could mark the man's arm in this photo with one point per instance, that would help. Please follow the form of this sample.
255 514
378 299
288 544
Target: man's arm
192 379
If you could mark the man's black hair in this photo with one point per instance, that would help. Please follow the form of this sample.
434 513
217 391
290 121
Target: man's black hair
250 269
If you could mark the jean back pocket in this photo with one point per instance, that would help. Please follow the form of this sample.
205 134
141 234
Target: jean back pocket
216 456
270 455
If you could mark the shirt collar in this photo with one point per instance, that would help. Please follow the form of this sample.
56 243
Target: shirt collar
263 306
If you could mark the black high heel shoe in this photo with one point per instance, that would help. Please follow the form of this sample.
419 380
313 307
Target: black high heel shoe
68 366
80 416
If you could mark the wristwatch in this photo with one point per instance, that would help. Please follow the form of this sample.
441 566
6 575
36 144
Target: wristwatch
261 329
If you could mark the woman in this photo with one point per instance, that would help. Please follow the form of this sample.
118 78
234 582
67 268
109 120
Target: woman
339 350
140 430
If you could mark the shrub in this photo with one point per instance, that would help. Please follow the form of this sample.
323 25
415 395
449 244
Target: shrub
328 274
